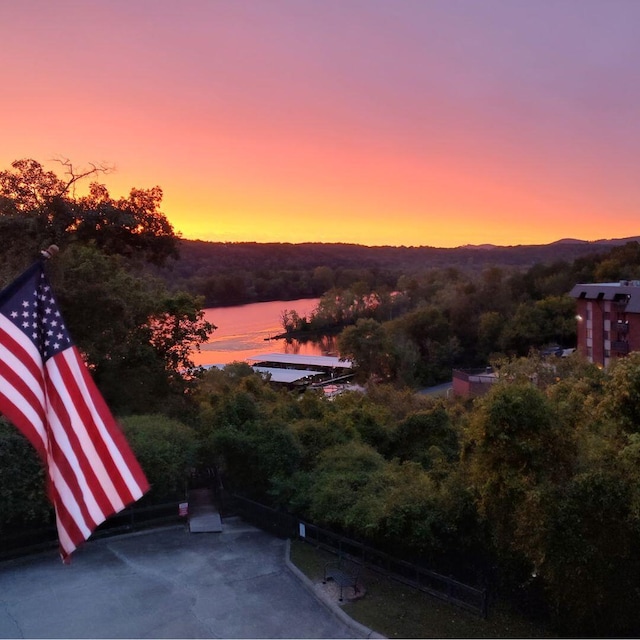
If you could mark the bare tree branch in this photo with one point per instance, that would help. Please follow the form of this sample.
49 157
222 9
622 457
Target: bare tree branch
74 176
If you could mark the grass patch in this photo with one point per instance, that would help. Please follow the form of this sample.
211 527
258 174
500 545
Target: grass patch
398 611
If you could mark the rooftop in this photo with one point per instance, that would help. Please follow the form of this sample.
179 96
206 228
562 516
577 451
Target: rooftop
627 291
328 362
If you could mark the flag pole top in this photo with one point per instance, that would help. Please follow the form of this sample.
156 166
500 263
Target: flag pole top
50 251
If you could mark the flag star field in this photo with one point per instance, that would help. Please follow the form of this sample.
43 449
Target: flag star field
36 313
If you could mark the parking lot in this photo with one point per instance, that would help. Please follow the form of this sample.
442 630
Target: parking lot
166 583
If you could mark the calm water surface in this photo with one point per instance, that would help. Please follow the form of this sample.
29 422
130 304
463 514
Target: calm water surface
244 331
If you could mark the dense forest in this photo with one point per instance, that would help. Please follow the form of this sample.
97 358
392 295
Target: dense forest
428 323
238 273
531 491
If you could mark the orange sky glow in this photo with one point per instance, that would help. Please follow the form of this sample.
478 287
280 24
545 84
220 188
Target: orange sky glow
378 122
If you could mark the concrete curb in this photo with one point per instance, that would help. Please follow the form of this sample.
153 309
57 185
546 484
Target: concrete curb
360 629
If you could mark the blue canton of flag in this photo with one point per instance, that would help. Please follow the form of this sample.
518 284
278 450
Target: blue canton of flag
36 313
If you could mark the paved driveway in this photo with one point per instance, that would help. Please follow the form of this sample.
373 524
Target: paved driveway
165 583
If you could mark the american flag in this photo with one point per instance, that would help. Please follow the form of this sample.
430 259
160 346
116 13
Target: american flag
48 393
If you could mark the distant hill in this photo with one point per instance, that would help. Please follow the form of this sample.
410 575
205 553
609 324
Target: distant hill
207 257
478 246
570 241
611 242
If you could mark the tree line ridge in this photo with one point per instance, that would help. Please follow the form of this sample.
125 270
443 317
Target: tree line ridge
345 254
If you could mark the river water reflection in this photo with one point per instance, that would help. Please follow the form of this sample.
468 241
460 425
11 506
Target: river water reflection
244 331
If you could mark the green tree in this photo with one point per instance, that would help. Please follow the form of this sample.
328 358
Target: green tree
255 458
592 561
166 450
516 457
367 344
44 209
432 517
23 496
134 226
621 394
348 488
490 327
425 435
323 280
244 433
369 420
437 348
535 324
138 338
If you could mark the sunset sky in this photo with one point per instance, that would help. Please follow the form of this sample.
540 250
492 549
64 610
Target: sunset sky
379 122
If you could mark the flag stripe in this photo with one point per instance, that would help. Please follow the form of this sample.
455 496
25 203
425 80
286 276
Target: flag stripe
48 393
21 412
80 453
72 403
107 431
22 387
68 527
30 406
23 353
65 454
71 509
121 452
64 538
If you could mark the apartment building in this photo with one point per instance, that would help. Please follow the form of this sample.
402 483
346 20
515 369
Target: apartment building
608 316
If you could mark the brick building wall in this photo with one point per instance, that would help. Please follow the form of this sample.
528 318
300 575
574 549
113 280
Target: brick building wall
608 316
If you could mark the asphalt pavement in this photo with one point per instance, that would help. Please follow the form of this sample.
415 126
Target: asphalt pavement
168 583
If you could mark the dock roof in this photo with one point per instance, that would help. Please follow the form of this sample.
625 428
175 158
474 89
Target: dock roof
330 362
287 376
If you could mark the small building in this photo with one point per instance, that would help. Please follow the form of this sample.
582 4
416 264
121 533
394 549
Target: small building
470 383
608 316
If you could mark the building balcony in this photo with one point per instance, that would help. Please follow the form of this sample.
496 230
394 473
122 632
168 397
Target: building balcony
620 346
620 327
619 305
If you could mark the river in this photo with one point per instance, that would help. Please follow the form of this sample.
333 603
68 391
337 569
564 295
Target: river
244 332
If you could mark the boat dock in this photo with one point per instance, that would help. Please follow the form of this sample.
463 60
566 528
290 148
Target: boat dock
301 370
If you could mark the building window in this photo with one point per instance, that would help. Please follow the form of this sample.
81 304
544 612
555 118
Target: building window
607 315
589 333
606 335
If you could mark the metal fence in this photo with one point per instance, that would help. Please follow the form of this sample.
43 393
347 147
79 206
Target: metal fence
286 525
24 541
279 523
